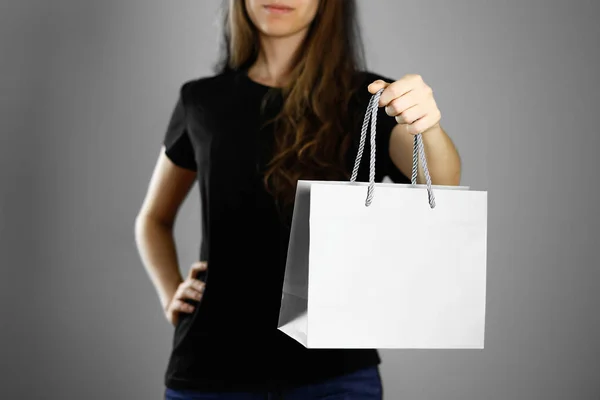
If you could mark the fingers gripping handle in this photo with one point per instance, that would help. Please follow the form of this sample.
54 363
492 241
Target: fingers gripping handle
418 152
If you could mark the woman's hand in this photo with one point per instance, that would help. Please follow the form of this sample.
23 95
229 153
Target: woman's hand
410 100
189 289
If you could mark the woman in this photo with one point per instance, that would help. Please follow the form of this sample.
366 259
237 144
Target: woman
286 103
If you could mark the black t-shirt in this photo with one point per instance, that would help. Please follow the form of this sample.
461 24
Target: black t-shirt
231 340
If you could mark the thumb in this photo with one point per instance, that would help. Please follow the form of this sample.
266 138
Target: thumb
197 267
377 85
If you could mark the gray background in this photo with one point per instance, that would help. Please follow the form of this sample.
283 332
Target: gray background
87 88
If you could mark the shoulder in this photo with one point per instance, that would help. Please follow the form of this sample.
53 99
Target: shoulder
206 89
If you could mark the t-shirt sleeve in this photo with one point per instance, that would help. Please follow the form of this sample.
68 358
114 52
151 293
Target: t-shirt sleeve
383 163
178 146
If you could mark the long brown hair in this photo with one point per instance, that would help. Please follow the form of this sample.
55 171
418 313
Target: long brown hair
312 129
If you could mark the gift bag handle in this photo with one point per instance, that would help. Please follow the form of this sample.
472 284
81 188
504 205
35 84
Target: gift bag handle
418 152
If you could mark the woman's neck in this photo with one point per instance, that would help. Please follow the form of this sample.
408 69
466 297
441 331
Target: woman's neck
274 60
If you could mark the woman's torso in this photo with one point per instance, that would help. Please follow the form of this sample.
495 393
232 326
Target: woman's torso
231 339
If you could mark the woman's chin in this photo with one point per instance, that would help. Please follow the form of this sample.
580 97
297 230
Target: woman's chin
278 30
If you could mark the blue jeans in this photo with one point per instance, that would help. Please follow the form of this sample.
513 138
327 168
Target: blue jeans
364 384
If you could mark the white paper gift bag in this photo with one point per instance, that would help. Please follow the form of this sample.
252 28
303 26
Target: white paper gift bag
405 268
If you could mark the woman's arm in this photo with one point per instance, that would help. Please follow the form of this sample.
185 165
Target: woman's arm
443 160
410 101
168 188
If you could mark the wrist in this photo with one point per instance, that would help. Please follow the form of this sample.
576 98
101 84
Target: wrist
435 129
168 293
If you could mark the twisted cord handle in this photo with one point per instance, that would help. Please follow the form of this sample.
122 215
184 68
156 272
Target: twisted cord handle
418 152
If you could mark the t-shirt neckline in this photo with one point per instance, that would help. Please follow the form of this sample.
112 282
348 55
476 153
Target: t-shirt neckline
244 74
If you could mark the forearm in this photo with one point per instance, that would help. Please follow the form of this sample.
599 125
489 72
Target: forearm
156 247
443 160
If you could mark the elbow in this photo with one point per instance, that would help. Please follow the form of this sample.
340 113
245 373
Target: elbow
455 175
455 181
447 179
145 220
138 225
